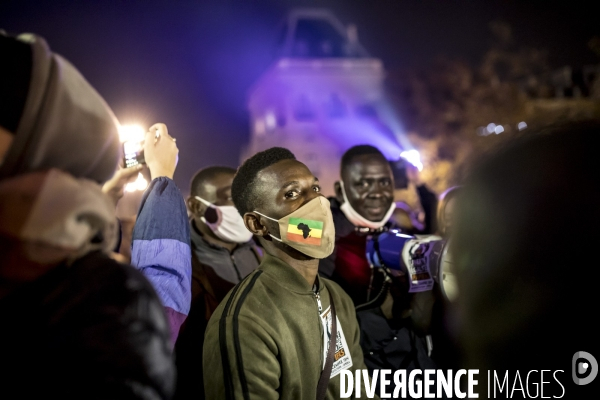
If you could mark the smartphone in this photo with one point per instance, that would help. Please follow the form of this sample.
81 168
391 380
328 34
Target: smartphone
133 153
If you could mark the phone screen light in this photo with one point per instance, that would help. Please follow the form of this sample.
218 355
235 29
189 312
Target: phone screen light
413 157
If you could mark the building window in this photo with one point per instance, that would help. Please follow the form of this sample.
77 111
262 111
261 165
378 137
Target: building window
317 39
259 127
270 121
312 162
335 108
303 110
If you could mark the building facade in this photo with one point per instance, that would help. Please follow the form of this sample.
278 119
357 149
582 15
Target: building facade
323 95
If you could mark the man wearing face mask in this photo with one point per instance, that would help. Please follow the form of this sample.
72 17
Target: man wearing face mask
223 253
283 332
363 205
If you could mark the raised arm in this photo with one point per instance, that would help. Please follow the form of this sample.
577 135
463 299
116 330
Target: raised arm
427 198
161 235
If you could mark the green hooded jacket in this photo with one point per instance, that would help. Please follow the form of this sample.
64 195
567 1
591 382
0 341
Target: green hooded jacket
268 333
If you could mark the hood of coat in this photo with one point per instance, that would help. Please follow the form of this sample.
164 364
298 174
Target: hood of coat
65 123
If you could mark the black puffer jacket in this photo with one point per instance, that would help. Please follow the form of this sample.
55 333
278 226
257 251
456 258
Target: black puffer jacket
92 330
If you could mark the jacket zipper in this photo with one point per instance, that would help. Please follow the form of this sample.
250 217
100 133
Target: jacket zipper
318 297
320 309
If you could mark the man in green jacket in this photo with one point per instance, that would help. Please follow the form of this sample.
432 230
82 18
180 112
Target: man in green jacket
270 336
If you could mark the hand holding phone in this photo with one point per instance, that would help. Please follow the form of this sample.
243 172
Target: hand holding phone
133 148
160 152
399 172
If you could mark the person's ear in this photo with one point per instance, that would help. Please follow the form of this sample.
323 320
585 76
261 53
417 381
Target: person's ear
253 224
337 187
196 207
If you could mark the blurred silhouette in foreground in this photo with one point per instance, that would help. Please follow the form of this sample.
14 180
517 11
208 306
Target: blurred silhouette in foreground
527 269
76 323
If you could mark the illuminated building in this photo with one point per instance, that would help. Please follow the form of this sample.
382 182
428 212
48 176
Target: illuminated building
323 95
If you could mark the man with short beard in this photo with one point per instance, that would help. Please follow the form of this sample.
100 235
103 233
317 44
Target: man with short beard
393 322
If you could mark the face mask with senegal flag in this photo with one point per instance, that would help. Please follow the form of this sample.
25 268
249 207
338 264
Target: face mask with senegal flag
309 229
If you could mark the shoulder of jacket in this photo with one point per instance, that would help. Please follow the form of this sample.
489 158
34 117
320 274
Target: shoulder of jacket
257 251
249 287
337 290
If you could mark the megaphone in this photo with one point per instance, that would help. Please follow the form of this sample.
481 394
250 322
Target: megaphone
422 259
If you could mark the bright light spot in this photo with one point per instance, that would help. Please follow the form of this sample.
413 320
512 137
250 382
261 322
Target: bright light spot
521 125
131 133
498 129
270 120
491 127
139 184
413 157
403 235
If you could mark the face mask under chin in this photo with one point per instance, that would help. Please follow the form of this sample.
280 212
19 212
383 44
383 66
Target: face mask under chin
357 219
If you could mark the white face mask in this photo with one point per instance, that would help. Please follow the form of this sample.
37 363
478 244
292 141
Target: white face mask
229 225
358 220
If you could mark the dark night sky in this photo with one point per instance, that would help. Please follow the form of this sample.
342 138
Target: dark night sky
190 63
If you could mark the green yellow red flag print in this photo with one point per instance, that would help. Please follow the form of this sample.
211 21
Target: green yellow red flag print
305 231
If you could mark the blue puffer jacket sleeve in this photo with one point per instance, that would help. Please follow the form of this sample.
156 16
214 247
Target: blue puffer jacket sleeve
161 248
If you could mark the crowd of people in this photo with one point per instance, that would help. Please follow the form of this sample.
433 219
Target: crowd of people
257 286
